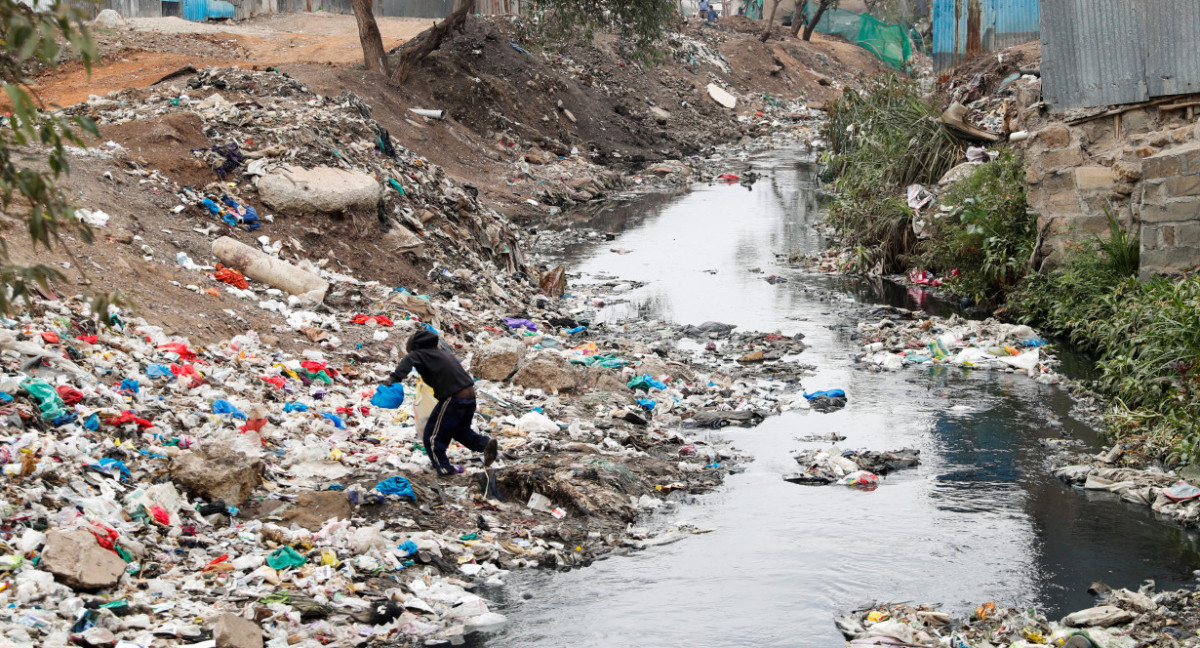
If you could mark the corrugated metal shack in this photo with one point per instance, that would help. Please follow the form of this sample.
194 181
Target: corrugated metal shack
1103 52
963 29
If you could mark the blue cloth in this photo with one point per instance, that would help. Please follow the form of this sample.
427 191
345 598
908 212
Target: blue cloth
398 486
5 398
295 406
388 396
222 406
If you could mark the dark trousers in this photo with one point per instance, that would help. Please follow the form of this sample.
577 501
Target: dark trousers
451 421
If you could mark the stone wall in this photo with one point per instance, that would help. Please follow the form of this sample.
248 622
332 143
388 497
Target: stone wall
1134 163
1170 210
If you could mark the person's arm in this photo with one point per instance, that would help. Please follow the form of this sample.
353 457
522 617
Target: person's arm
401 371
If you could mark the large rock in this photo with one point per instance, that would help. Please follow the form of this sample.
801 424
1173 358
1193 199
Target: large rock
79 562
548 371
296 190
313 509
498 360
232 631
216 472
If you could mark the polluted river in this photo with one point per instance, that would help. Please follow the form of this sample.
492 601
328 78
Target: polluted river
980 519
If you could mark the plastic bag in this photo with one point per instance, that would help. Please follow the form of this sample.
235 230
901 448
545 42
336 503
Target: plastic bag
423 403
388 396
398 486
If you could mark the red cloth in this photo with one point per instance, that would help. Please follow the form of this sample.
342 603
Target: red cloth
69 394
317 367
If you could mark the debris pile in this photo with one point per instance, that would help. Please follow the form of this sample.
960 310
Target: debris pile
1122 618
861 469
902 338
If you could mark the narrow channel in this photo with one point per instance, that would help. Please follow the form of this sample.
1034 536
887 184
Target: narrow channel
981 519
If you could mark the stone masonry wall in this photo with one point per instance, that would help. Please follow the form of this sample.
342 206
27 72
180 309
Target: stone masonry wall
1170 210
1136 164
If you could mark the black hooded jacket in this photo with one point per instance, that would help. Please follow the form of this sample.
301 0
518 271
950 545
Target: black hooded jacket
437 367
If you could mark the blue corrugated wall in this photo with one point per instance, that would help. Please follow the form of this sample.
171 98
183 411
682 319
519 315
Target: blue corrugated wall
963 29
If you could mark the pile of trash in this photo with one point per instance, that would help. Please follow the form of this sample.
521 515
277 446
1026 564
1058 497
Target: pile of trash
902 338
1166 492
860 469
160 491
303 153
1122 618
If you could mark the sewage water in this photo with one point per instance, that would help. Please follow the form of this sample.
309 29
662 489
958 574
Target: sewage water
981 519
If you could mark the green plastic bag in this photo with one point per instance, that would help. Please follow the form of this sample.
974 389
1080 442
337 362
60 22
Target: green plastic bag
49 402
285 557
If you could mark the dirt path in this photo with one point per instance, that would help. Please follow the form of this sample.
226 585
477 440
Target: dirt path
150 48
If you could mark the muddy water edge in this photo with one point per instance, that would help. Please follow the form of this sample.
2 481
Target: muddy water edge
981 519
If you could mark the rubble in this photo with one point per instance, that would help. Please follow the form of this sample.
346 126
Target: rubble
79 562
850 468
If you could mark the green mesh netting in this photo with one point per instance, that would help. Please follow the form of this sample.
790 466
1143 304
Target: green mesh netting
886 41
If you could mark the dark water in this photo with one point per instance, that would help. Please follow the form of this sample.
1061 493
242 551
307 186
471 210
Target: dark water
980 520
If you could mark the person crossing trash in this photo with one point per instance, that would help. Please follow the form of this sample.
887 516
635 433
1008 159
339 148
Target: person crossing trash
454 390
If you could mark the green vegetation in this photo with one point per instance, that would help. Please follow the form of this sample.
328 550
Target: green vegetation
1146 336
987 240
881 141
33 154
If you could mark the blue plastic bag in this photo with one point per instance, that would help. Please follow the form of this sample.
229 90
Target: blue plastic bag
159 371
398 486
647 404
295 406
337 420
130 384
828 393
222 406
388 396
409 547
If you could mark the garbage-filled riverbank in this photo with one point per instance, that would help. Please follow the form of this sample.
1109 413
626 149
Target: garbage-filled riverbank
1121 618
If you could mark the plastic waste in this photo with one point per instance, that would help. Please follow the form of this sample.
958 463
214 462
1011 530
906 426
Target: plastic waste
285 558
388 396
222 406
397 486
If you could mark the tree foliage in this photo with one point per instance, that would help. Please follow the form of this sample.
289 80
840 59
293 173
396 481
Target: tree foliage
33 154
639 22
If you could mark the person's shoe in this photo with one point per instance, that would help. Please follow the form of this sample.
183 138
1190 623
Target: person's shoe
490 452
456 470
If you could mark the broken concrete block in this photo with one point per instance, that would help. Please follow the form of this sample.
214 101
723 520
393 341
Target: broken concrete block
498 360
79 562
270 270
722 97
296 190
215 472
232 631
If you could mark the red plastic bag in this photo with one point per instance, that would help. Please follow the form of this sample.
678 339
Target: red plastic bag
382 320
231 277
178 348
50 337
90 339
278 381
160 515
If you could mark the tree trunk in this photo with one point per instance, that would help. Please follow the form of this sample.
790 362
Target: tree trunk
812 24
770 22
374 55
430 39
798 18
